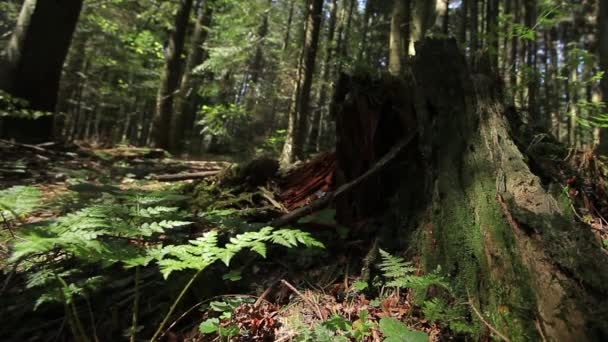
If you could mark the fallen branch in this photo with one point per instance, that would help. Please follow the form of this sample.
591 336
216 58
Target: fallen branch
484 321
312 305
322 202
186 176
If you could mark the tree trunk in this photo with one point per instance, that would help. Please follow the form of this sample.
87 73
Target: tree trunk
492 33
531 56
254 73
462 28
183 118
471 201
171 75
602 23
474 28
397 43
34 60
320 112
298 116
289 23
442 21
423 18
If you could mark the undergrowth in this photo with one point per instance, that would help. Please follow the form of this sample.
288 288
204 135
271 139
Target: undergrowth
70 259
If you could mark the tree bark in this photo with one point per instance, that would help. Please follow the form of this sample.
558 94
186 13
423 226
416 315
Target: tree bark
321 111
423 18
298 116
602 22
492 33
474 207
170 78
183 118
34 60
398 41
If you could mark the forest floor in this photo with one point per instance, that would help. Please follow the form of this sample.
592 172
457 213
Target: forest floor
310 295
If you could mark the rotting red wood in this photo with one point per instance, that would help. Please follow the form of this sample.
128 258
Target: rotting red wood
309 181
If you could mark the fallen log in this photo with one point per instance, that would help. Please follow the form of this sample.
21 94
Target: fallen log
186 176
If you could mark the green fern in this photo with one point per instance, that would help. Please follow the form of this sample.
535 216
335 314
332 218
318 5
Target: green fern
18 201
204 251
400 273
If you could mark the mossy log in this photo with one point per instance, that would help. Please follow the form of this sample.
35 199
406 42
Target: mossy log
479 211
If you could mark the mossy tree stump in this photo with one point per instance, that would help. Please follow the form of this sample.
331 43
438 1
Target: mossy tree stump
479 211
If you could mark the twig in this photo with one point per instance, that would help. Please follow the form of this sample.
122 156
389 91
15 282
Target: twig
185 176
540 330
483 320
308 301
328 198
267 194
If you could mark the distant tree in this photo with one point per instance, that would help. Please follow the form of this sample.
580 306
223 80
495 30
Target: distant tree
169 83
398 40
184 111
423 17
32 63
298 116
602 22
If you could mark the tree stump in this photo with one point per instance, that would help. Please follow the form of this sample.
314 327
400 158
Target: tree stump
481 214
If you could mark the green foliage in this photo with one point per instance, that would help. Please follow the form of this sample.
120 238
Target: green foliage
17 107
400 273
227 123
18 201
338 328
224 308
396 331
204 251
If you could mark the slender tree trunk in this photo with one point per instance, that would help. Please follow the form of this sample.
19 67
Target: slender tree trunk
321 111
513 58
171 76
256 67
443 16
531 62
369 5
70 83
423 18
398 41
492 33
182 120
464 17
289 24
602 23
34 61
474 26
296 136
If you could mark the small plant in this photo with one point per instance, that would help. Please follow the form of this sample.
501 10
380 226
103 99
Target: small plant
400 274
395 331
18 201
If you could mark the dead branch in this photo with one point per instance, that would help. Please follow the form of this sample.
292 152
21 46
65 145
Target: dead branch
186 176
322 202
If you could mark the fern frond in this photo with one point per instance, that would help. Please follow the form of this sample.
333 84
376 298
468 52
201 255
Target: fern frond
18 201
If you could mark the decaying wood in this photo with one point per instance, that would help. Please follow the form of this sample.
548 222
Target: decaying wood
186 176
329 197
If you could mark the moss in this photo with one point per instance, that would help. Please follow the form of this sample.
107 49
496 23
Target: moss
467 235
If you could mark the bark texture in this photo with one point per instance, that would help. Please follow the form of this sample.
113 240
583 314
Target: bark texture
602 22
184 111
509 246
298 116
171 76
34 61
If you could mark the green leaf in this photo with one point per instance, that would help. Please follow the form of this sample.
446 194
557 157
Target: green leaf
396 331
360 285
209 326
